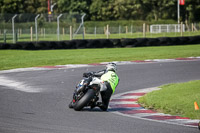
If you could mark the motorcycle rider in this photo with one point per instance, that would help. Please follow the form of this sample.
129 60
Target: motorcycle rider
108 82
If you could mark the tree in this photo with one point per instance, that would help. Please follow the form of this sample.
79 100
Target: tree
79 6
109 9
12 6
64 5
128 9
96 9
36 6
159 9
192 10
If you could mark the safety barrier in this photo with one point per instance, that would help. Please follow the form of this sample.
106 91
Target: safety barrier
102 43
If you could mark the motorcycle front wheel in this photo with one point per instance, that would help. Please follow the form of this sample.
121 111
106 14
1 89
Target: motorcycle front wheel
71 105
84 100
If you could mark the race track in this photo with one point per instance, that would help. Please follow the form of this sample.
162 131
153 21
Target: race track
37 101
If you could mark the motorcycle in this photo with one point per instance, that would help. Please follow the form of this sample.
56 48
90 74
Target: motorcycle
86 93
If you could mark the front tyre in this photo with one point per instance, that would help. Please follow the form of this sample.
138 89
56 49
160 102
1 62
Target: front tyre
71 105
84 100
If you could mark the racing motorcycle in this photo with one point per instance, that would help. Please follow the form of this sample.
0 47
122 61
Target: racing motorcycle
86 93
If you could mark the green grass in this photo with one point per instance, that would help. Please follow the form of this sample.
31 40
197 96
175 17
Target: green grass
10 59
175 99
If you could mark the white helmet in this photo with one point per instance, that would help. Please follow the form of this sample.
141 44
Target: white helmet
111 67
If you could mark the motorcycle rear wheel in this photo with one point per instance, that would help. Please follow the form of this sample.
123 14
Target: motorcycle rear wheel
84 100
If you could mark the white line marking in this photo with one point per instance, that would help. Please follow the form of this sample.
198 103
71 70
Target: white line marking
141 118
182 122
149 114
90 65
127 97
16 85
122 102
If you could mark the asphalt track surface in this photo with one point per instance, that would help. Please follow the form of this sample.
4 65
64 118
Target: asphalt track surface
43 107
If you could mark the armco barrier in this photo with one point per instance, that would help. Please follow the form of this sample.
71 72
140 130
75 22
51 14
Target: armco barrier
103 43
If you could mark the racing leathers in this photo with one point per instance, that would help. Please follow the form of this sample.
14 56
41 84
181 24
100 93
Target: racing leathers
108 82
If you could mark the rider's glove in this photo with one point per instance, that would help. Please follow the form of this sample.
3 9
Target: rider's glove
85 74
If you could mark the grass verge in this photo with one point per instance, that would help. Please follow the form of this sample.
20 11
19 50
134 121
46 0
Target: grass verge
175 99
10 59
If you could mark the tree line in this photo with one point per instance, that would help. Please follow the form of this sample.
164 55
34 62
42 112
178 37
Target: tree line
110 9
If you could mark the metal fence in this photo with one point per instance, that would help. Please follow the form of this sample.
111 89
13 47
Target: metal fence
57 27
37 27
159 28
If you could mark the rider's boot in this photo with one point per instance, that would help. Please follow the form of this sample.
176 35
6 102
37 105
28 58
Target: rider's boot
102 106
94 104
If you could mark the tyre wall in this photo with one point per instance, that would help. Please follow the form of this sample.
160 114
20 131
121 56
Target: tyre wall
103 43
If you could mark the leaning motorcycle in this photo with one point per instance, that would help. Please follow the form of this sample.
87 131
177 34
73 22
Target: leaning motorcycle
85 94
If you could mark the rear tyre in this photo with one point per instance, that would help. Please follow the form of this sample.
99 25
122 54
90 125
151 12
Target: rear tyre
84 100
